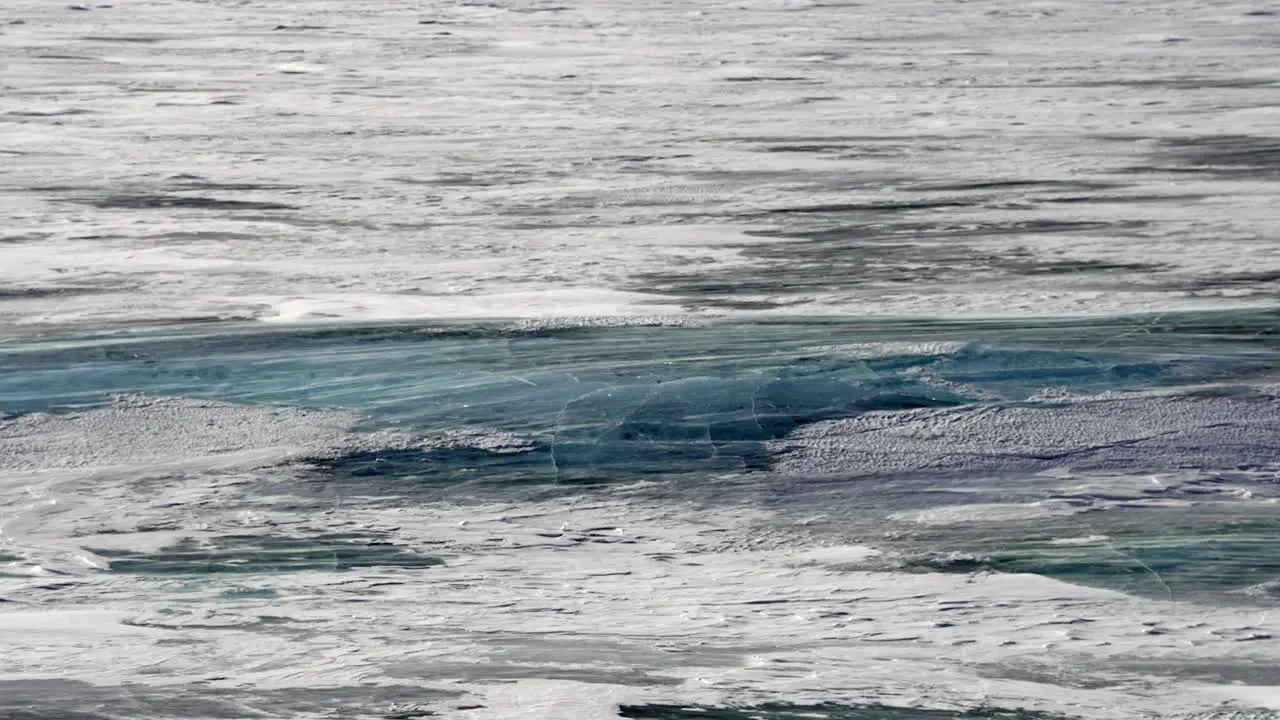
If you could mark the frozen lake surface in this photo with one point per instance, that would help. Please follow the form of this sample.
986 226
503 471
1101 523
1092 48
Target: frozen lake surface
227 159
571 360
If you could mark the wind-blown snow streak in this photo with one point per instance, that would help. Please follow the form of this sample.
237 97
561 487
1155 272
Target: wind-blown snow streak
524 158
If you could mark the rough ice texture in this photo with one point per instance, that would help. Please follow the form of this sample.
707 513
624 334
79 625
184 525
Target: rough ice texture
558 608
561 323
877 350
563 608
311 160
335 160
139 432
1146 432
494 441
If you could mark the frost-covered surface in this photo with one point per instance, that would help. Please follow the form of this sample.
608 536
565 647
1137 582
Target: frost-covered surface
548 521
312 159
581 604
1161 432
581 484
135 432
